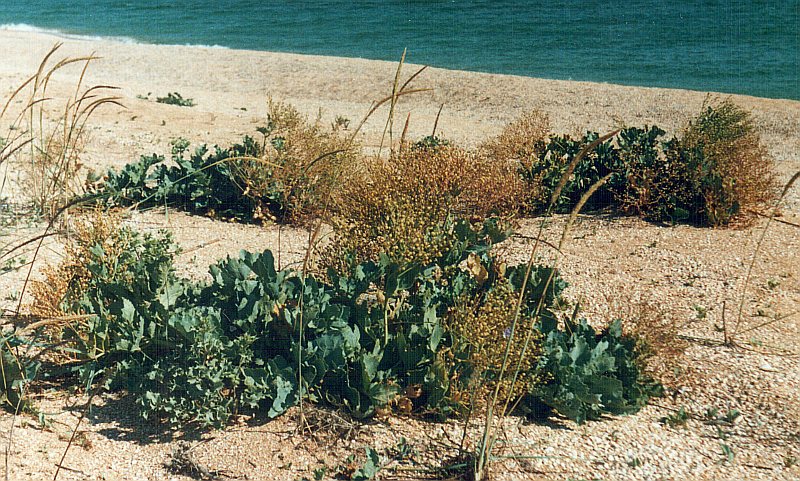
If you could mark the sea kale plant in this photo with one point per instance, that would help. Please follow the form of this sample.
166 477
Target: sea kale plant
412 336
289 175
714 172
590 373
202 182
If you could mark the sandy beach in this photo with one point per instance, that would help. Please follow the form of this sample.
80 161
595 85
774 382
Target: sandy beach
612 263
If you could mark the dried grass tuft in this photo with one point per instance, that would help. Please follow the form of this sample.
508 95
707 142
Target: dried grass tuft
523 140
733 170
659 345
98 227
49 146
299 165
404 206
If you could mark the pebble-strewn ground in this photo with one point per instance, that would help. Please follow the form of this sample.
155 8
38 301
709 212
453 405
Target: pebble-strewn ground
617 267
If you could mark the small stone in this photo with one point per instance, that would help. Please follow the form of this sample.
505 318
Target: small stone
765 366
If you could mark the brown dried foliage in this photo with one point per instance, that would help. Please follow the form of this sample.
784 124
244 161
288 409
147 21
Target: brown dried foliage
659 345
520 144
302 163
50 174
521 140
724 141
404 206
97 228
48 143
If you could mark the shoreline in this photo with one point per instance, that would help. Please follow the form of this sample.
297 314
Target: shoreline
126 40
36 35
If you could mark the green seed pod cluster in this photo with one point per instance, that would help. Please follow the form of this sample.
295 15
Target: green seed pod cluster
483 329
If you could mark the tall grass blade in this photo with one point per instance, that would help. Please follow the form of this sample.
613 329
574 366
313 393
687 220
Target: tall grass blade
390 120
488 438
775 211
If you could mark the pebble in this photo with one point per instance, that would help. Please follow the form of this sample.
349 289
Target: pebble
765 366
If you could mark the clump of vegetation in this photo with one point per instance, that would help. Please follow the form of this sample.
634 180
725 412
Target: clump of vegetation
549 172
404 207
431 142
71 277
591 373
523 140
289 176
658 343
481 329
655 181
202 183
255 338
298 166
520 145
717 171
174 98
106 268
48 149
732 172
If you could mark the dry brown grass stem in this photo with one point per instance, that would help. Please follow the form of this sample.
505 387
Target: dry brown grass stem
436 120
396 89
390 119
774 219
6 250
52 321
579 206
770 322
786 188
405 130
376 105
541 241
488 439
412 77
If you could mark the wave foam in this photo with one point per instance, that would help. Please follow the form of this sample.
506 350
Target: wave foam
24 27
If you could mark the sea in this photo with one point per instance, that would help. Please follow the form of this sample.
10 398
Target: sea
748 47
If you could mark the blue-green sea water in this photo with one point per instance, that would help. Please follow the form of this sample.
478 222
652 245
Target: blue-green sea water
750 47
